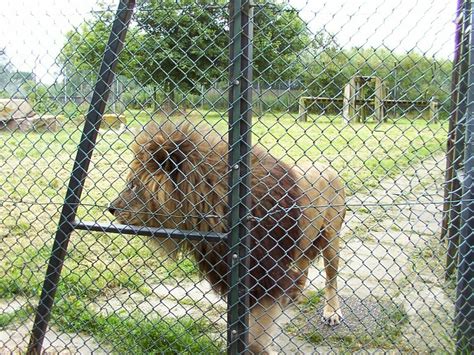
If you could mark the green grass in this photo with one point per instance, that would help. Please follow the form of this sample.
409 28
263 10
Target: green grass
82 283
17 316
115 263
138 334
430 257
21 271
386 336
35 172
312 300
365 154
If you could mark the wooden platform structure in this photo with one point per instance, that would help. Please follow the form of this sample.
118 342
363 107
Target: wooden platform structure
355 104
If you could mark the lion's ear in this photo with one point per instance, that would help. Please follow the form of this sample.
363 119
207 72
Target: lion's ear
165 156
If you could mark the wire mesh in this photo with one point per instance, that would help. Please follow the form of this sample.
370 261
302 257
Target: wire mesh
351 208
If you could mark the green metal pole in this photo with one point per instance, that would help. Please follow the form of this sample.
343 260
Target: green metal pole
465 277
240 123
454 217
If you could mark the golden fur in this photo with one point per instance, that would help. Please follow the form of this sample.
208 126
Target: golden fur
179 179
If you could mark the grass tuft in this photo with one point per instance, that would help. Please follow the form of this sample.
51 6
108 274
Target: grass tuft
17 316
138 334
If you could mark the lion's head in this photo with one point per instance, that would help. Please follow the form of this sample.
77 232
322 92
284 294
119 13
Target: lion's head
175 179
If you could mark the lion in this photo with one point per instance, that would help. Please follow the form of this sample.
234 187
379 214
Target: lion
178 179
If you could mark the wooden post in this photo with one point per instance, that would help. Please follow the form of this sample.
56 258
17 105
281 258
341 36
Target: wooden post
364 106
379 100
353 92
433 111
302 112
356 96
347 109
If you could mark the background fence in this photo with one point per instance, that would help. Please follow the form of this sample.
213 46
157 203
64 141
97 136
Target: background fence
378 92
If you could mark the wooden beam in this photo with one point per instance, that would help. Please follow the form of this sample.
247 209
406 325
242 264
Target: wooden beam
379 103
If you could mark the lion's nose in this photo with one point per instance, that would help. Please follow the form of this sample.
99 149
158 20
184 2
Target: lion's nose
112 209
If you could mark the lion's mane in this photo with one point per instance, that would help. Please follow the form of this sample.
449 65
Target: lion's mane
185 173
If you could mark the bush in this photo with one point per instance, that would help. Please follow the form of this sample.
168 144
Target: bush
38 96
72 110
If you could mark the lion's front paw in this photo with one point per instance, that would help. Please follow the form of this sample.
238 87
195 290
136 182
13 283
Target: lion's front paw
331 317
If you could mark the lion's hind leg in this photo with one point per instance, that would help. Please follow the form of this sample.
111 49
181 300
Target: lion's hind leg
332 314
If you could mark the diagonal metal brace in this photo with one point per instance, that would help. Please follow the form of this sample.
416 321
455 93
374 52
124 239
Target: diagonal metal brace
79 173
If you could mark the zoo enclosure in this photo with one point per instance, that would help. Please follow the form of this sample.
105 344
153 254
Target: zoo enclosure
456 202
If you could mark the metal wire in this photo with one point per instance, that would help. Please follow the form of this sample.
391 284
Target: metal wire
349 206
265 134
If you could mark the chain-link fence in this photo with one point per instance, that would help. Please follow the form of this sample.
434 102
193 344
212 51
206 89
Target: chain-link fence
184 176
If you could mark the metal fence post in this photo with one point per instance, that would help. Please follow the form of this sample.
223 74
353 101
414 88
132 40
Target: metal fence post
465 282
79 173
240 122
112 288
458 147
453 117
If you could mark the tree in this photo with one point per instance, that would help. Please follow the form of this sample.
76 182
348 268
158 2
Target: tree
281 36
407 76
327 74
85 45
38 96
82 53
182 45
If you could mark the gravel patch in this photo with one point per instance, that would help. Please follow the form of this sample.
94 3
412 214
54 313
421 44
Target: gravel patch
366 321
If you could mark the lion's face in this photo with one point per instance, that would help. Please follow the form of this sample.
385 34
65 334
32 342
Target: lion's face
148 196
174 175
130 206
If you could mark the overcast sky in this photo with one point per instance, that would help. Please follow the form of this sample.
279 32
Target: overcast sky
33 31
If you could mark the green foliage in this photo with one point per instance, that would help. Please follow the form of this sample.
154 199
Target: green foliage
137 97
172 54
327 72
183 42
181 46
38 96
72 110
313 299
409 76
19 315
85 45
82 53
280 38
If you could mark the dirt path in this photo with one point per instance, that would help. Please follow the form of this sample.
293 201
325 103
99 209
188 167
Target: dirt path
390 257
